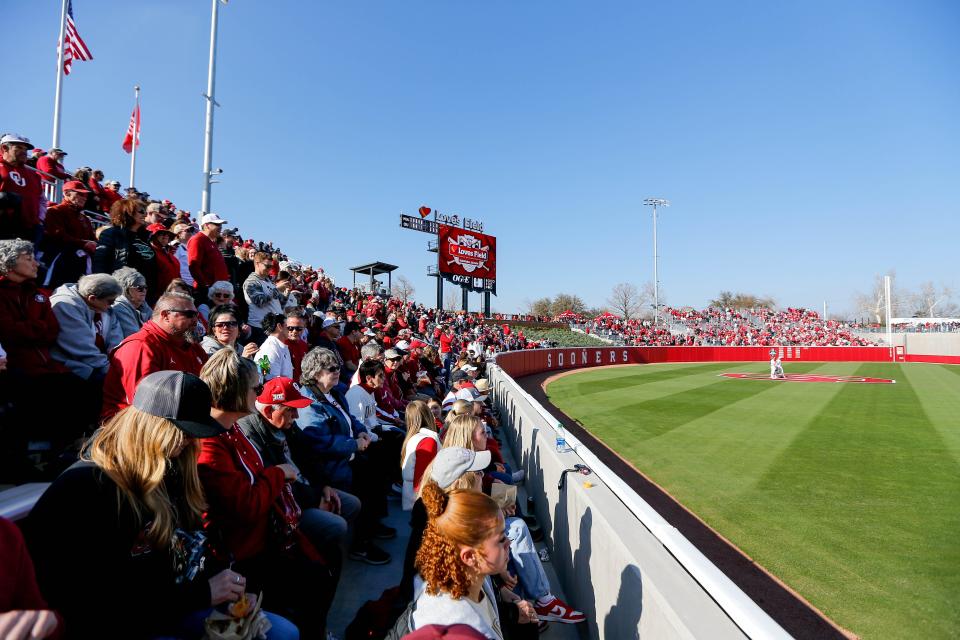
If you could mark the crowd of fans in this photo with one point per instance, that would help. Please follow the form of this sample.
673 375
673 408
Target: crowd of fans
715 326
219 422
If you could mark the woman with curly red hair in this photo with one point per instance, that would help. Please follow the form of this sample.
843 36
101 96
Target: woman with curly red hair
463 545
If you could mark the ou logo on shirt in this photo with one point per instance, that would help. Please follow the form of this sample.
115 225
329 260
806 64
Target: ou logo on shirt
17 178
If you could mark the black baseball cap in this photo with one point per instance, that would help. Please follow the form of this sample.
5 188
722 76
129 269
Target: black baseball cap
182 398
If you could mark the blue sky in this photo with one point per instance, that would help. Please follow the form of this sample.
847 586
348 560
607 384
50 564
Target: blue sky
805 146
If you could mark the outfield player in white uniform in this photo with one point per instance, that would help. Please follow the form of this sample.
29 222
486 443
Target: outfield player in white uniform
776 366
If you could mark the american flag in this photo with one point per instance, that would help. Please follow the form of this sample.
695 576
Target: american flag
74 46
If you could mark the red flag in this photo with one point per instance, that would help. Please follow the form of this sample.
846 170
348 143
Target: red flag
424 212
74 48
133 129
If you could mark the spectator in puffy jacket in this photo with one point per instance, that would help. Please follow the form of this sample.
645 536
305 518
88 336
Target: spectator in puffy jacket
28 330
335 447
131 309
126 243
88 328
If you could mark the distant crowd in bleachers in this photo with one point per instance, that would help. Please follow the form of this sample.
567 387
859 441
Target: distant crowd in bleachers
716 326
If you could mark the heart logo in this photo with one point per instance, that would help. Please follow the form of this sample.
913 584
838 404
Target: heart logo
424 211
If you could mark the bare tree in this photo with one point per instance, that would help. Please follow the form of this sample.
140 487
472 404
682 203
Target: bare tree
873 303
452 299
930 297
403 289
625 300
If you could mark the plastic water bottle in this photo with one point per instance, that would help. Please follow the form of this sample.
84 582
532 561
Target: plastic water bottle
561 439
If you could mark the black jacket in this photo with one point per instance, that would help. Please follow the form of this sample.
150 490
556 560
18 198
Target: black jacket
276 451
93 566
121 247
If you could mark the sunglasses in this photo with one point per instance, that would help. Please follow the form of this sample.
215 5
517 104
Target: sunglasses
223 295
140 287
189 313
294 328
228 324
332 369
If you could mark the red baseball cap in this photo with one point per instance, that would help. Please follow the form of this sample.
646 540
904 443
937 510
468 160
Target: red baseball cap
75 185
158 227
282 391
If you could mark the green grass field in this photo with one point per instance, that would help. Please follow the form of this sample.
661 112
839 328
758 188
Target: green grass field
849 493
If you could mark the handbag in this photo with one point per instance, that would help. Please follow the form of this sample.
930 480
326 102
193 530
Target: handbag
285 529
252 624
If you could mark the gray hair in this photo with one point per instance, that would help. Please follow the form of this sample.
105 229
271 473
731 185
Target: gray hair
129 277
10 251
261 407
169 301
98 285
220 286
315 361
370 350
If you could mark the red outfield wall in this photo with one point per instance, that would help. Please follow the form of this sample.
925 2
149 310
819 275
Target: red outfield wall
522 363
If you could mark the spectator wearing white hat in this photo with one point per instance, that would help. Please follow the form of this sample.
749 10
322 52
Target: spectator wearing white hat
18 178
206 263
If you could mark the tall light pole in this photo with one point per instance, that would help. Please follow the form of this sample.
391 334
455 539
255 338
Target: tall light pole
211 103
655 203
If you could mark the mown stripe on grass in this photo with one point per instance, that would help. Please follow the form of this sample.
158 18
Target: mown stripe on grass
651 418
881 560
583 384
715 458
657 381
939 396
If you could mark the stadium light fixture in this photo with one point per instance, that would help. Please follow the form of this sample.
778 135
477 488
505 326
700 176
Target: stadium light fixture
655 203
211 103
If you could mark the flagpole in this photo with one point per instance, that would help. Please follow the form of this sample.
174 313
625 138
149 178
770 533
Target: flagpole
211 103
136 134
55 143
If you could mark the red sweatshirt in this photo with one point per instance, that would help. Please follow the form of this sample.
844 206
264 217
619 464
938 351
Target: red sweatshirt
240 490
140 354
18 582
206 262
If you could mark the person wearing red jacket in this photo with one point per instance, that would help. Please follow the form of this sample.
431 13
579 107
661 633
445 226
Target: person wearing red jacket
28 330
245 498
111 194
389 398
160 345
69 242
50 164
206 263
168 267
21 603
19 178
